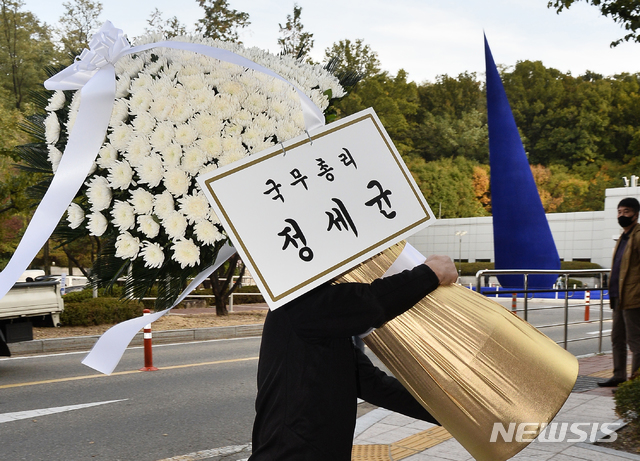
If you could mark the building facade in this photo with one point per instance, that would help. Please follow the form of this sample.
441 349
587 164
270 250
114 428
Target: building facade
581 236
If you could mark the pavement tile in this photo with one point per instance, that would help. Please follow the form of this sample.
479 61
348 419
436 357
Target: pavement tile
591 455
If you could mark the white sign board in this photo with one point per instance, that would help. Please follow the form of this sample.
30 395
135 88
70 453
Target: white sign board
302 213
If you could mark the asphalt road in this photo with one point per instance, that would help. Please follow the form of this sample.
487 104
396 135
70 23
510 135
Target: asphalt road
201 399
199 405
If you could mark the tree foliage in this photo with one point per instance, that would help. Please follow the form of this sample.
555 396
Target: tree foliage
354 57
294 40
78 24
220 21
25 50
624 12
168 28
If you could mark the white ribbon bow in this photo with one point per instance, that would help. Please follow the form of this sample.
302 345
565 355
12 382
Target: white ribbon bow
93 73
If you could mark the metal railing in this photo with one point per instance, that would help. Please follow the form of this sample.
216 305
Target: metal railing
563 276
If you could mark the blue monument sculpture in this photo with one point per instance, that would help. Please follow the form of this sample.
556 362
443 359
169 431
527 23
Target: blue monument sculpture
521 235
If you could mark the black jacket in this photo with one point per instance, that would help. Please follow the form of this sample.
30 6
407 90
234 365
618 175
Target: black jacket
310 374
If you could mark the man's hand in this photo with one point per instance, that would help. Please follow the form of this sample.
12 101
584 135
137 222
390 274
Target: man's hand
444 268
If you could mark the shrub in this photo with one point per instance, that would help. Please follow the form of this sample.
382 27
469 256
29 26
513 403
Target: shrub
627 399
98 311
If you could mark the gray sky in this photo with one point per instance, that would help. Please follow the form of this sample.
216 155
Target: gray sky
427 38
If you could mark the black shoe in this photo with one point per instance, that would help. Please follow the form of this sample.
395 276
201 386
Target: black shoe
613 382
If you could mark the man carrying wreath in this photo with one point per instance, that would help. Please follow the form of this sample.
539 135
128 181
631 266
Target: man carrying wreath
310 374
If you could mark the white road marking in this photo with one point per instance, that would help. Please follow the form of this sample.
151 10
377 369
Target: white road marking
9 417
206 454
598 332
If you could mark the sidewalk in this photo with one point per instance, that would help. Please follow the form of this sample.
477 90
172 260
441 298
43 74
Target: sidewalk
382 435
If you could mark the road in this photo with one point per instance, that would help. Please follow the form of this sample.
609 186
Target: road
543 313
200 401
201 398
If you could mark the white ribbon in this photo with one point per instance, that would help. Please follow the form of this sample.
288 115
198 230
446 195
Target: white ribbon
94 75
108 350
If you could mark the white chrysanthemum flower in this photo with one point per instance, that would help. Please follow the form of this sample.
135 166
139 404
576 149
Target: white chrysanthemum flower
185 135
99 193
127 246
120 136
97 224
107 156
186 253
54 157
195 207
181 111
171 155
210 146
208 168
175 225
243 117
52 128
75 215
231 143
193 160
287 129
202 100
120 175
56 102
150 170
207 125
231 156
148 226
162 135
194 82
141 83
265 124
120 112
225 106
256 103
152 255
233 88
176 181
142 201
207 233
233 130
259 147
278 110
163 205
122 85
144 123
140 101
161 107
137 150
124 216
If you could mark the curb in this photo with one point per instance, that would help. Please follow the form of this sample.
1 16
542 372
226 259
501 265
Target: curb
85 343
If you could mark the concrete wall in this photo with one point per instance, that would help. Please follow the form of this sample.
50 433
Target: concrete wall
588 235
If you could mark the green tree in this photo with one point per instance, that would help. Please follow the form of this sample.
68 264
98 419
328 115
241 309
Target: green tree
294 40
221 22
450 185
353 57
169 28
451 120
26 49
395 101
624 12
78 24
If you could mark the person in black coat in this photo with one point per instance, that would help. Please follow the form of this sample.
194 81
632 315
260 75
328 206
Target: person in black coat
310 374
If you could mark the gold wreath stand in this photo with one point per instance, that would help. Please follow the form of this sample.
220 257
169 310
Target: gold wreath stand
472 363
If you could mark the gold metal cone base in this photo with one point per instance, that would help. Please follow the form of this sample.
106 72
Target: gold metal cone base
472 363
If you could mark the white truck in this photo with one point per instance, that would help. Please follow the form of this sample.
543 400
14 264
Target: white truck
29 302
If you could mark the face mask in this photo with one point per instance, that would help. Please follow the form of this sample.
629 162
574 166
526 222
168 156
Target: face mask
625 221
